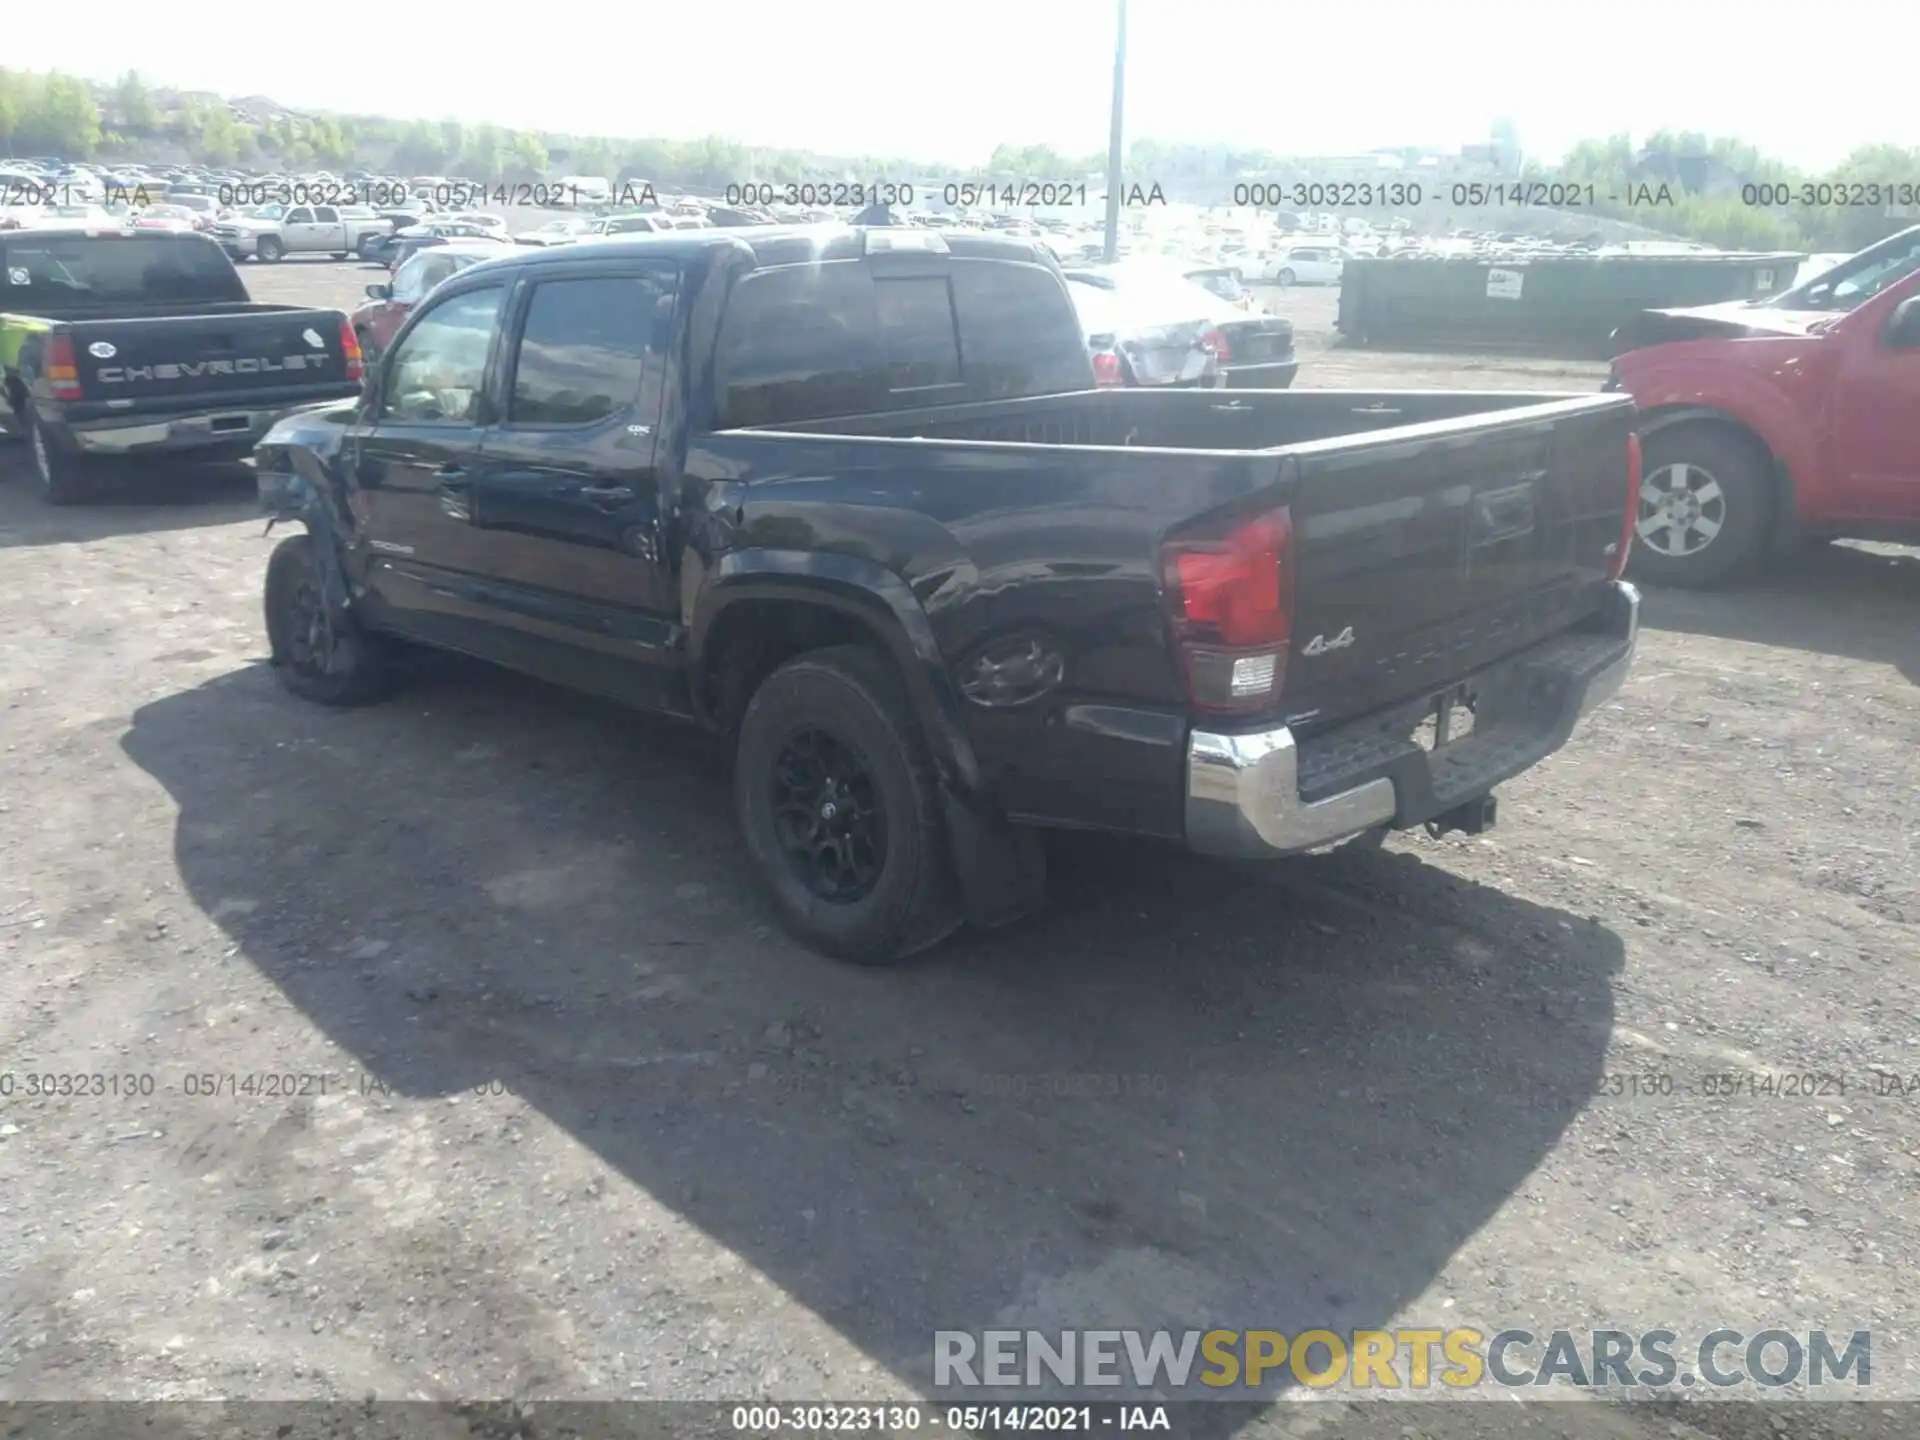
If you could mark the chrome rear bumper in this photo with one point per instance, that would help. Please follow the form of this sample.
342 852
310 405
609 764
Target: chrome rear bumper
1244 791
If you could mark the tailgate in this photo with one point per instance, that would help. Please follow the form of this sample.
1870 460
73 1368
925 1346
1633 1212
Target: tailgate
183 357
1420 559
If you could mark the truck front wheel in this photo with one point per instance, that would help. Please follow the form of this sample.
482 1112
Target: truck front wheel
321 657
840 806
1705 503
269 249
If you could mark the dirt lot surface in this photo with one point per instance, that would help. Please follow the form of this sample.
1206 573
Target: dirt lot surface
572 1120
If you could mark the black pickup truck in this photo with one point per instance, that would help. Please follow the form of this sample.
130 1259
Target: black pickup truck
850 498
132 343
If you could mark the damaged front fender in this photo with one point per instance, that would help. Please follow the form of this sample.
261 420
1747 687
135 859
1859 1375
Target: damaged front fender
289 495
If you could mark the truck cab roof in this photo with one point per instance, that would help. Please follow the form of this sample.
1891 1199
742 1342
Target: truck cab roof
791 245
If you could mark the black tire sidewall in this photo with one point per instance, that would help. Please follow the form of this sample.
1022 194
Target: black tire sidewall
853 703
361 675
1739 468
263 250
61 483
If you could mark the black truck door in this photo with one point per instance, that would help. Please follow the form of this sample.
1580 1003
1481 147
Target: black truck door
414 462
565 491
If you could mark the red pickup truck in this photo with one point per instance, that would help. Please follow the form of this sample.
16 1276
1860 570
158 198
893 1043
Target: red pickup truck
1765 424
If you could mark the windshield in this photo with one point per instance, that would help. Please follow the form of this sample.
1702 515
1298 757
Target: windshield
1853 282
1098 314
1148 298
1220 282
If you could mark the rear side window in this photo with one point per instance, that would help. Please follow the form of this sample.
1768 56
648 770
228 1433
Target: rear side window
917 329
797 343
68 272
584 347
1018 330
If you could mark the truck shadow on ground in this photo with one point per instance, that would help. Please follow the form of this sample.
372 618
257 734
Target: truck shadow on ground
1829 599
142 501
1185 1095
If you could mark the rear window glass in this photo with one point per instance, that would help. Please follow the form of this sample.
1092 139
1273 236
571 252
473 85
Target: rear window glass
808 342
798 344
916 326
1018 330
83 270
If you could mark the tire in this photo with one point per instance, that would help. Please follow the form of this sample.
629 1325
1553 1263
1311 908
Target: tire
268 249
1285 277
343 254
893 892
354 669
1705 507
60 475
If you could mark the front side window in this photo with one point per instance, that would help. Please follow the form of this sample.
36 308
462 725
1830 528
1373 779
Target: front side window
437 371
585 345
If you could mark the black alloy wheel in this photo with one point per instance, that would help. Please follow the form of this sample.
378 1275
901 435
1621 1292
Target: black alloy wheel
828 816
839 802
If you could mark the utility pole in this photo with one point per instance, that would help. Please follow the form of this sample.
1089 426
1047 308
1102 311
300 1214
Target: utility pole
1114 147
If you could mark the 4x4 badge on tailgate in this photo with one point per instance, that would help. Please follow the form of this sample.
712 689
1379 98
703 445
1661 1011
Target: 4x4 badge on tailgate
1320 645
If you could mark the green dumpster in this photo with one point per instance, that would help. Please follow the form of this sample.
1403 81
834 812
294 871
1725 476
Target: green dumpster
1564 303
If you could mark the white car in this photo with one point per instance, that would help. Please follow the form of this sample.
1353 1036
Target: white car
495 225
1306 265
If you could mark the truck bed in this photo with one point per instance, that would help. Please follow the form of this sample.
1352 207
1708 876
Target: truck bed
1443 531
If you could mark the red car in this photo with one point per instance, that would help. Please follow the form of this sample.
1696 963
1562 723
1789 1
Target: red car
378 321
1767 423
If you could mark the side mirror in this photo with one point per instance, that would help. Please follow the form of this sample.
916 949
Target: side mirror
1903 326
379 292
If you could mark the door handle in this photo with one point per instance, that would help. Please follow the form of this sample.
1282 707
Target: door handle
608 495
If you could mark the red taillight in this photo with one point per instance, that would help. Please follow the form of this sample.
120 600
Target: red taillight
1617 565
61 368
1214 342
1106 369
1230 602
350 348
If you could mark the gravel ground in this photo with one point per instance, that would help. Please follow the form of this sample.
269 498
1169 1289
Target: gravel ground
580 1123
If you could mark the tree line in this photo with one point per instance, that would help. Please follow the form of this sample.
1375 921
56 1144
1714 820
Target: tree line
1718 190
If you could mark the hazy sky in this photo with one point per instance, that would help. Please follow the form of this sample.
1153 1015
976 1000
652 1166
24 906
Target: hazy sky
949 81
